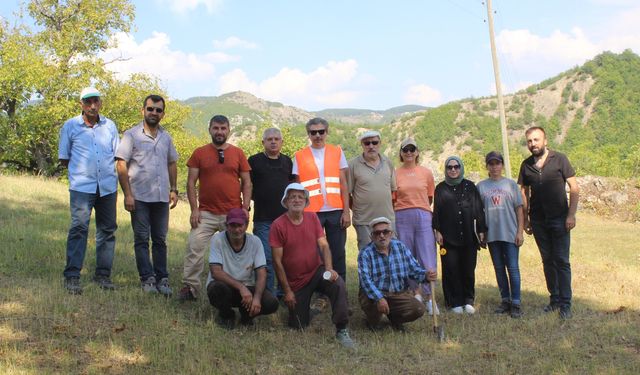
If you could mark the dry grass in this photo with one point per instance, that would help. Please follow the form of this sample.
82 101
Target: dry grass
44 330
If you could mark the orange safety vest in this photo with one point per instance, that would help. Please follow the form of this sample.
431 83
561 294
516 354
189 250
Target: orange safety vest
310 177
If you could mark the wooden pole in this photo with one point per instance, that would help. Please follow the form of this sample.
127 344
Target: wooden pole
496 71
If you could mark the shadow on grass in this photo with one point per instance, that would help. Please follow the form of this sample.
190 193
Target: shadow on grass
43 329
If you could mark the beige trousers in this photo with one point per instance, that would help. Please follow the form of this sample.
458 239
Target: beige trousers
199 243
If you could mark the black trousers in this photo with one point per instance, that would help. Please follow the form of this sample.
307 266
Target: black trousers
299 317
225 298
458 275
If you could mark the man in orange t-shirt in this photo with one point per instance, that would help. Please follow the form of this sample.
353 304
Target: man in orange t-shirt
224 183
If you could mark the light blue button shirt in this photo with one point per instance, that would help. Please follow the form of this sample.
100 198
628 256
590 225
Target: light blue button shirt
91 155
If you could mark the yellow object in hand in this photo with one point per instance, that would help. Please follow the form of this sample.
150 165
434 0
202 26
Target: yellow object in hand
443 251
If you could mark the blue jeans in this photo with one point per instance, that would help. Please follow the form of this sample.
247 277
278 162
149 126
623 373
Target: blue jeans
261 230
151 219
505 259
553 241
81 205
337 238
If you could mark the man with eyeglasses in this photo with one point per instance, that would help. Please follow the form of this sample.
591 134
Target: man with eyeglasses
222 171
322 169
147 170
385 267
372 182
87 147
543 179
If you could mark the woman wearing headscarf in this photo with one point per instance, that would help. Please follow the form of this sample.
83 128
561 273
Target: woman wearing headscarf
460 228
412 206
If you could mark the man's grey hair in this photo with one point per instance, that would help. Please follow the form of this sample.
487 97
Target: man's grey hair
317 121
269 131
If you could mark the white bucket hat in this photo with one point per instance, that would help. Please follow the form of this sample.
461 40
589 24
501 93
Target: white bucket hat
295 186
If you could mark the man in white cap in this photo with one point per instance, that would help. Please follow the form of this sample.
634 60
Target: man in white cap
372 182
87 147
295 238
384 269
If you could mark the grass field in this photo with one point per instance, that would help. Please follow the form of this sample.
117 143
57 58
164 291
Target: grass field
44 330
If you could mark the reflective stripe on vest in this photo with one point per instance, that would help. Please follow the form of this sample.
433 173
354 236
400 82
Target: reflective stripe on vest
310 177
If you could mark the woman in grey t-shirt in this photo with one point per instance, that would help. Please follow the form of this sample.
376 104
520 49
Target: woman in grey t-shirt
505 220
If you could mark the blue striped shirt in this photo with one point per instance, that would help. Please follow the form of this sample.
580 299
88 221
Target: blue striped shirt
379 273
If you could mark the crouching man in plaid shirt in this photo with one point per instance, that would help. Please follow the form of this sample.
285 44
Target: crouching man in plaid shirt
384 267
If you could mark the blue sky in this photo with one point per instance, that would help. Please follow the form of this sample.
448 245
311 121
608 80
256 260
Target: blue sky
364 54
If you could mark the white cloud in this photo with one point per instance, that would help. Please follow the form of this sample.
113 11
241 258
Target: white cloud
423 95
155 57
183 6
523 45
330 84
234 42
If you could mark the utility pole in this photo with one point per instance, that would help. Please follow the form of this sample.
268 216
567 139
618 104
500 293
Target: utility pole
496 71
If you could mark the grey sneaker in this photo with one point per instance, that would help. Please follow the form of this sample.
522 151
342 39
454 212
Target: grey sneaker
104 282
149 285
344 339
72 285
163 287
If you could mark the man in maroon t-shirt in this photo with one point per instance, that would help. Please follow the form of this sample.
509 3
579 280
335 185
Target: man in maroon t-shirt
295 238
223 172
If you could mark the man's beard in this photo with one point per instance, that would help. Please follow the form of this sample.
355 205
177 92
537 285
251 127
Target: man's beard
538 153
218 142
151 121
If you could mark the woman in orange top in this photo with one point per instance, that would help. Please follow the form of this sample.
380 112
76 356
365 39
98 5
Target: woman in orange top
413 213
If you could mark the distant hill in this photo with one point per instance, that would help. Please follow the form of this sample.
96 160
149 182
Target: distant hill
590 112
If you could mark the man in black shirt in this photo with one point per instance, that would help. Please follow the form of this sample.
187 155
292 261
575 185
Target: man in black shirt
270 175
542 180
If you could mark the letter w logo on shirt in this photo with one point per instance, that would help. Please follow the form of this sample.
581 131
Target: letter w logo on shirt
496 200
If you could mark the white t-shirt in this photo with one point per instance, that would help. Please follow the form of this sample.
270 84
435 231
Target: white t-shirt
241 265
318 158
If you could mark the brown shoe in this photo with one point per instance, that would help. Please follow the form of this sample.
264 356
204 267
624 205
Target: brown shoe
186 294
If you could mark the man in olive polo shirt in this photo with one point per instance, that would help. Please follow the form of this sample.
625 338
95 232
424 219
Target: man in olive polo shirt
372 182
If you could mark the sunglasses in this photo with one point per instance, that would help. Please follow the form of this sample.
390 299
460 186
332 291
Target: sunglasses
367 143
314 132
452 167
409 149
384 232
156 109
221 156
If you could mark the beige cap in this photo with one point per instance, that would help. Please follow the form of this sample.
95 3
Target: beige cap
407 142
379 220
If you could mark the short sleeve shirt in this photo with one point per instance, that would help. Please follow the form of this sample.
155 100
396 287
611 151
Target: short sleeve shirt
241 265
220 186
269 178
500 198
147 161
415 186
547 186
91 154
299 243
371 189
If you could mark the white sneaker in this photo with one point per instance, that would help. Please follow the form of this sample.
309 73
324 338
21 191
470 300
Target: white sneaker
469 309
430 309
457 310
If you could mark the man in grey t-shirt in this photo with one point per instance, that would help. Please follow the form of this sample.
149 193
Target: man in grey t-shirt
146 164
238 273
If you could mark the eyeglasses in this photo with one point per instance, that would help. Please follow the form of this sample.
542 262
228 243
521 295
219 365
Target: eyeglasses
409 149
220 156
384 232
314 132
367 143
156 109
452 167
